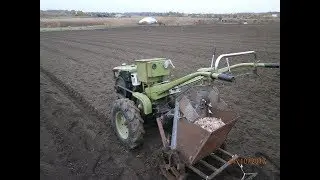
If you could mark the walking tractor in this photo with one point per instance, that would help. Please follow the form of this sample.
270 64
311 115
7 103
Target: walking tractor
192 119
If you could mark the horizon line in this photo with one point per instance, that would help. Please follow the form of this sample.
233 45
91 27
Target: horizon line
156 12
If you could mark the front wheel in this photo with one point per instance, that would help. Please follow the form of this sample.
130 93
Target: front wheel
127 123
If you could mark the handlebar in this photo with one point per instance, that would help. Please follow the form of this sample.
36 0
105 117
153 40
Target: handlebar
220 73
271 65
216 64
225 77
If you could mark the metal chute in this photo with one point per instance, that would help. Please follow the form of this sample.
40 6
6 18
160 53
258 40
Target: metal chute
194 142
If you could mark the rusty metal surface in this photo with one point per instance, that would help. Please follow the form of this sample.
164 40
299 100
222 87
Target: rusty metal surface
162 134
195 143
214 141
187 110
190 138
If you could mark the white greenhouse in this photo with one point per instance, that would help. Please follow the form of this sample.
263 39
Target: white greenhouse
148 20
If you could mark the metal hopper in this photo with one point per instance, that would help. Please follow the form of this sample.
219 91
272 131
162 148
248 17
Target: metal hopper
194 142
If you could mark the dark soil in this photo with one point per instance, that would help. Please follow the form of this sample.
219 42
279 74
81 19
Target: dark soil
76 96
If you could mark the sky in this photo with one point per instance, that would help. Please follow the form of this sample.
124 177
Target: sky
184 6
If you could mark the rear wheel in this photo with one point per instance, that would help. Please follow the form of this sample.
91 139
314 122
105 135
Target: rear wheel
127 123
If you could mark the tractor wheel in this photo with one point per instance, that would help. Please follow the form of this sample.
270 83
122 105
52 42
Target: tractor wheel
121 92
127 123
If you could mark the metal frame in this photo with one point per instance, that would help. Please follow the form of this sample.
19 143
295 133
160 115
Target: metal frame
216 170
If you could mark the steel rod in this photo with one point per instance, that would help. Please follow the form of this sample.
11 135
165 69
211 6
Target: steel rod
252 176
208 165
194 169
223 167
175 125
218 158
226 152
212 61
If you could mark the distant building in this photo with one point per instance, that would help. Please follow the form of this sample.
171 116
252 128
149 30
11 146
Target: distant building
274 15
119 15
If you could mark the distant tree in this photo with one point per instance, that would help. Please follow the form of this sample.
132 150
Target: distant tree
235 16
79 13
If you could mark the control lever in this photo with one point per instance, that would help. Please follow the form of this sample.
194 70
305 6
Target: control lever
167 63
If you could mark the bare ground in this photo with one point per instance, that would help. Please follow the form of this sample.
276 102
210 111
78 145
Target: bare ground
76 95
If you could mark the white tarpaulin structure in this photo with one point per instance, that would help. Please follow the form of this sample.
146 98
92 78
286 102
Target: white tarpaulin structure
148 20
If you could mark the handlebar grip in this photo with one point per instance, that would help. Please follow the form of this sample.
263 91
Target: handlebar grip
225 77
272 65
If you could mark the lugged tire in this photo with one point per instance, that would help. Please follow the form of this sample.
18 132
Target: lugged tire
134 122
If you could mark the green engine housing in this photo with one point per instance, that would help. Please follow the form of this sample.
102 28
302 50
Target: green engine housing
152 70
144 73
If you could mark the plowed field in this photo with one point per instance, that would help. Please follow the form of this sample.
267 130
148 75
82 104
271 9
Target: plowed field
77 94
